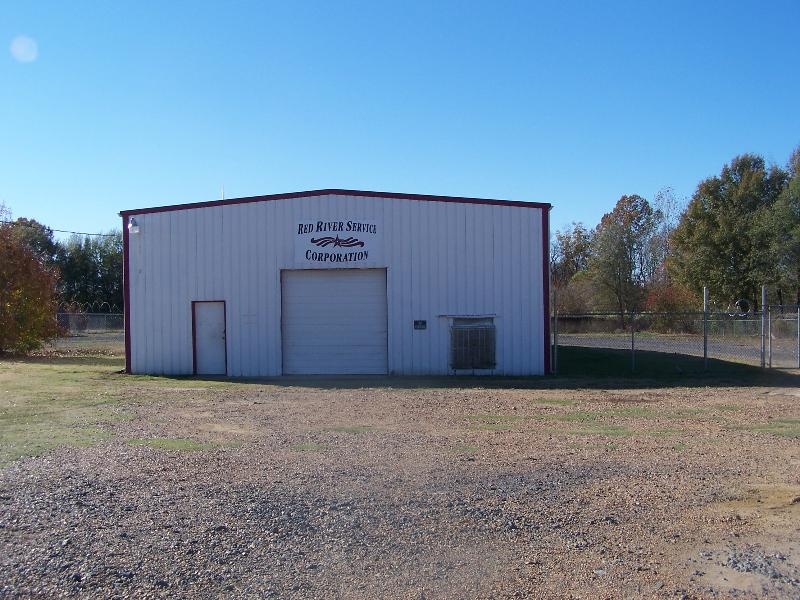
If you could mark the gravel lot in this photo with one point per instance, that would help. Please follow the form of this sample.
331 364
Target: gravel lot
389 488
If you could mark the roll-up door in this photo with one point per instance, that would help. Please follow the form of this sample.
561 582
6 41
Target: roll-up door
334 321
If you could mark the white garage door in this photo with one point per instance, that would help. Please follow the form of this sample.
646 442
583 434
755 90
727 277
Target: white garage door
334 321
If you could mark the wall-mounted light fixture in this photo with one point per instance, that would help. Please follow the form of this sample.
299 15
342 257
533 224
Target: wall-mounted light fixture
133 226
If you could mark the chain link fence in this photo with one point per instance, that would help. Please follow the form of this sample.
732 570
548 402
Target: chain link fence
768 339
80 322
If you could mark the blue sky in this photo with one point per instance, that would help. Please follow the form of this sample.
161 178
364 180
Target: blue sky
134 104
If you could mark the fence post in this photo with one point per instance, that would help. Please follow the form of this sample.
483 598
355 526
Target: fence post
769 335
555 342
633 343
763 325
798 336
705 328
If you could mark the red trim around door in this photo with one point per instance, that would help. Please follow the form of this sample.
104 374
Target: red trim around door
194 336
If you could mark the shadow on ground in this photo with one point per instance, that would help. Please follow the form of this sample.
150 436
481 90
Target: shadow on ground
83 360
579 368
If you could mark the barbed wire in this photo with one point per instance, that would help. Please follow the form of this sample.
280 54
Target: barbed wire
88 307
18 224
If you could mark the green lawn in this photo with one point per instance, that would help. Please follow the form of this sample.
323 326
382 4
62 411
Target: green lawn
45 402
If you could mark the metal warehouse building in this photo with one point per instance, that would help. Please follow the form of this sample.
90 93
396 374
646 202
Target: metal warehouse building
338 282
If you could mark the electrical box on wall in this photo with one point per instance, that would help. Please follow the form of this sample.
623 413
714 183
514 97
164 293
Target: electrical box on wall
420 324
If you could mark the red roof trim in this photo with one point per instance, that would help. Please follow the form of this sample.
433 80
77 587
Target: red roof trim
366 194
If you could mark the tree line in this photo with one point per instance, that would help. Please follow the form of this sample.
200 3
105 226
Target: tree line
739 230
40 275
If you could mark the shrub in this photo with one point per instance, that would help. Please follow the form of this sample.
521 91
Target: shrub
674 307
28 302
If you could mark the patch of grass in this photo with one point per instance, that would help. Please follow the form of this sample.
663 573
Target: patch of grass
590 428
687 412
727 407
650 412
464 449
351 428
680 446
555 402
579 416
503 426
593 423
231 444
603 429
607 446
781 427
635 412
176 444
495 417
20 443
114 414
307 447
490 422
663 432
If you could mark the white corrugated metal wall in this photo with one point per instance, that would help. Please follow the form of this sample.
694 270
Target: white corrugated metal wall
442 259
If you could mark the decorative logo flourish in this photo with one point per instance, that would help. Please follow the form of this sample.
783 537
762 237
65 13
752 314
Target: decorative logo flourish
337 242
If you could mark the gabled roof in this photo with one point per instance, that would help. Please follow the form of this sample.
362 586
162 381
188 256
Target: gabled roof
337 192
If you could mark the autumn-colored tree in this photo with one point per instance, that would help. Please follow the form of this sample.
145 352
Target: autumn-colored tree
625 257
28 300
672 297
675 307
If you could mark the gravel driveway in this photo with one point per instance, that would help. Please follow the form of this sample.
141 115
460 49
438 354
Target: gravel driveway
362 489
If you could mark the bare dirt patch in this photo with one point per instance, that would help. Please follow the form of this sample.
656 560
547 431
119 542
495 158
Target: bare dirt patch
415 489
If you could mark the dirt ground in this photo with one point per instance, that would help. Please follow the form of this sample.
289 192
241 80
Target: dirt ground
398 488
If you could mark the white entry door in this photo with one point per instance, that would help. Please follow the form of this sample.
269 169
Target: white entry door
208 325
333 321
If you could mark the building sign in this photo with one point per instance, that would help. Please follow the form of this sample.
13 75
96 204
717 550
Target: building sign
336 243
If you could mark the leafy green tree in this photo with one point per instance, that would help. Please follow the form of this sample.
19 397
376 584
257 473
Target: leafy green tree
570 253
28 300
725 237
578 296
569 259
91 269
625 257
37 237
785 223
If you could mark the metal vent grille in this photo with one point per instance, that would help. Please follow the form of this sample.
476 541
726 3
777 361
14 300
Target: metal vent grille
472 344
